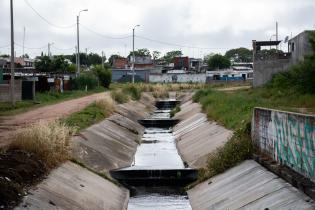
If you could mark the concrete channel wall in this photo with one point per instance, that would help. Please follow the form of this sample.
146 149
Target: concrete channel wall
196 136
107 145
288 138
248 186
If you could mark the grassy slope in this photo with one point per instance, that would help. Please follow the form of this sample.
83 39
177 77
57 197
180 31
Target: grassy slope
43 99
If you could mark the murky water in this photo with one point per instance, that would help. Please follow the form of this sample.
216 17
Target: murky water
158 151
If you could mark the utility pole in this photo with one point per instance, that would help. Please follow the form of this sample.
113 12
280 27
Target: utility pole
12 54
48 53
277 33
133 53
78 42
23 42
102 59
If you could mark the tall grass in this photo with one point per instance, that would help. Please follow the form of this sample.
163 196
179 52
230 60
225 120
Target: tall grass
50 141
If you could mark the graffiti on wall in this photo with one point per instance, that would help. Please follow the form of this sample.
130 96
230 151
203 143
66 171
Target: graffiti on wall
288 137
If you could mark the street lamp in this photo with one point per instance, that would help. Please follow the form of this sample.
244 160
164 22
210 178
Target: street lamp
78 42
133 53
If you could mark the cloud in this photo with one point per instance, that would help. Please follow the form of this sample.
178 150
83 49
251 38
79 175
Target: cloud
213 24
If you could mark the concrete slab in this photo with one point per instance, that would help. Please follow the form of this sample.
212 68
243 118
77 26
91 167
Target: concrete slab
247 186
196 137
73 187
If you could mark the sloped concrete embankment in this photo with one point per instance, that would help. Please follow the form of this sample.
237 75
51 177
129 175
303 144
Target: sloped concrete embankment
247 186
107 145
196 136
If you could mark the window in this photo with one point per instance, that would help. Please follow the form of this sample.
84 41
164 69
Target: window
292 47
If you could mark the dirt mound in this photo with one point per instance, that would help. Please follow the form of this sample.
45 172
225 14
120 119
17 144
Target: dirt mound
18 170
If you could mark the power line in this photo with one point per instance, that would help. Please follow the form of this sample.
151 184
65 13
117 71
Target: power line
62 49
4 46
30 48
47 21
178 45
105 36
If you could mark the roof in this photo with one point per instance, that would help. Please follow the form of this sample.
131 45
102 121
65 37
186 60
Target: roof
266 43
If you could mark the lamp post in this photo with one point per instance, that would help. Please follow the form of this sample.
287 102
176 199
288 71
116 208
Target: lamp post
133 53
78 42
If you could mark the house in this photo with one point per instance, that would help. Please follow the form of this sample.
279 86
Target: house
188 64
120 63
20 62
229 75
265 65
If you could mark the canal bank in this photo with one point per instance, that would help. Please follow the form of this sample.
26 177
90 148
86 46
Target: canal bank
107 145
245 186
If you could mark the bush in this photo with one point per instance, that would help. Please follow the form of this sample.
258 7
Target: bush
119 96
133 90
50 141
175 110
104 75
85 79
237 149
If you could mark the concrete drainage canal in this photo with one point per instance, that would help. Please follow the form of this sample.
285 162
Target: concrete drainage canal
157 176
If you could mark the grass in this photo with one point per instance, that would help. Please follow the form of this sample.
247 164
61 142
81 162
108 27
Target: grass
175 110
50 141
43 99
91 114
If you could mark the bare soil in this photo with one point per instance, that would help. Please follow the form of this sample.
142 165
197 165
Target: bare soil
18 171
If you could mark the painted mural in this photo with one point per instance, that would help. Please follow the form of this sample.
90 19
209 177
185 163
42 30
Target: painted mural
287 137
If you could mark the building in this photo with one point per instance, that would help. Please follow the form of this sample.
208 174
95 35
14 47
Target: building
120 63
188 64
5 62
265 65
229 75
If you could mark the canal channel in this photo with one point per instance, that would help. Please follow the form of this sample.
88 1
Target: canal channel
157 175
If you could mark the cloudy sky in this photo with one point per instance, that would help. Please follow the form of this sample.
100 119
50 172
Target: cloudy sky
196 27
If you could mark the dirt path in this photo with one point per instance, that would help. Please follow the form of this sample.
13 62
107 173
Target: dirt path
234 88
10 124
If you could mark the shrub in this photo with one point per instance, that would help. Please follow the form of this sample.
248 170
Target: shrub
237 149
50 141
119 96
85 79
175 110
104 75
133 90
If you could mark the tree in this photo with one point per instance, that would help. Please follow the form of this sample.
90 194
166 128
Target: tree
43 64
240 54
104 75
59 63
218 61
156 54
71 68
169 56
141 52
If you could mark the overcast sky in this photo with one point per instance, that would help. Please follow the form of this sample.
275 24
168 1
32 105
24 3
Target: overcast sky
198 26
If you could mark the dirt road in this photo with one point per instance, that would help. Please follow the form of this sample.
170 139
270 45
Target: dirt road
10 124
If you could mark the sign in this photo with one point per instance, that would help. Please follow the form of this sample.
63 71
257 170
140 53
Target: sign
50 80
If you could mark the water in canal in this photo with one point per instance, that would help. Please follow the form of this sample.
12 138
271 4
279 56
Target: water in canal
158 151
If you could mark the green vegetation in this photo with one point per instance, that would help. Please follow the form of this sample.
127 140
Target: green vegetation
56 63
43 99
85 80
104 75
218 61
119 96
240 55
90 115
300 78
175 110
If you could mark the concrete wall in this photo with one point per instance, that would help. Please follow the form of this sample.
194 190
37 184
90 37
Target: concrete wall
289 138
5 90
265 69
247 186
181 78
302 47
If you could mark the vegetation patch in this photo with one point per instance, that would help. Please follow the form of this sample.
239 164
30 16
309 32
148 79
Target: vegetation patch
91 114
119 96
175 110
49 141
